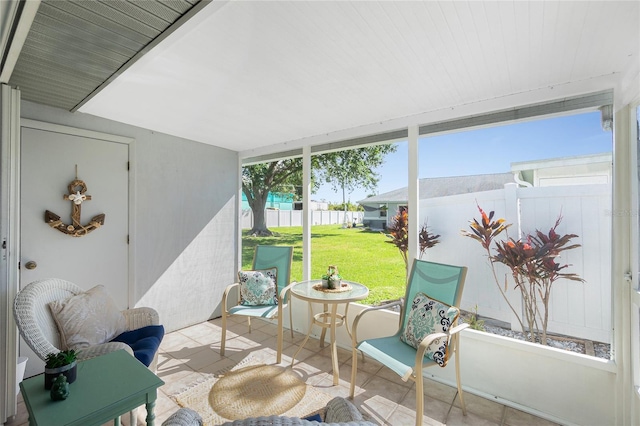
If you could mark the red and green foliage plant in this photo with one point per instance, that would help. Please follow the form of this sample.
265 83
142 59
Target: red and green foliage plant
399 236
533 266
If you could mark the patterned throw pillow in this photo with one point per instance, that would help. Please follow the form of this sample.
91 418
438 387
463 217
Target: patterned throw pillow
258 287
429 316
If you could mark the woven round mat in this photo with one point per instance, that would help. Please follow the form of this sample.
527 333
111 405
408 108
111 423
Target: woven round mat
255 390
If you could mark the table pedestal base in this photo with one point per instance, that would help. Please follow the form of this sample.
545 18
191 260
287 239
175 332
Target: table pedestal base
330 320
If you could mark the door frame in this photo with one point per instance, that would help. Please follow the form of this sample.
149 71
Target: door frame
634 249
58 128
10 146
10 236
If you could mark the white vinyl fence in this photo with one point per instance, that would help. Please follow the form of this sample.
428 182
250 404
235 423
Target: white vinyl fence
276 218
576 309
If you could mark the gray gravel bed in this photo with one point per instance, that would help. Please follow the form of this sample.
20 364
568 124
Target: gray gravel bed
602 350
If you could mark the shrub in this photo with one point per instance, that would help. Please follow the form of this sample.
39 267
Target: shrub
533 266
399 236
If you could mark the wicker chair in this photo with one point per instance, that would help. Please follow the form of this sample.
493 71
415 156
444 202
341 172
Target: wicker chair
38 328
338 412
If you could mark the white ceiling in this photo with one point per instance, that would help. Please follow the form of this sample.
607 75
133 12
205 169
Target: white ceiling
249 74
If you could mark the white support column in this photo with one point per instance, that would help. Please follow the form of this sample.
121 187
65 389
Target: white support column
306 213
634 332
621 263
9 244
239 219
413 197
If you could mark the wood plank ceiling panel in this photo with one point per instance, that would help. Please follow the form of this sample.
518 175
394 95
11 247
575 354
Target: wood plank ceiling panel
472 63
535 43
134 14
75 45
508 41
103 56
525 66
565 62
419 38
593 41
297 70
179 6
104 18
485 51
549 39
61 33
490 46
603 46
447 50
405 33
435 51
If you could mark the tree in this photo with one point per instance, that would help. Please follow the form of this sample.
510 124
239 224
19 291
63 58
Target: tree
345 169
348 207
352 168
260 179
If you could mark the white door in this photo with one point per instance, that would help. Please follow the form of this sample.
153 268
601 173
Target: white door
49 160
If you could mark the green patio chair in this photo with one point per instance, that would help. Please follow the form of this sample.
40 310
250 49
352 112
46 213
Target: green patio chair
265 258
426 322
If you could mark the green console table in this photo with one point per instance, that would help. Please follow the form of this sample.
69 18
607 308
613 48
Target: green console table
106 387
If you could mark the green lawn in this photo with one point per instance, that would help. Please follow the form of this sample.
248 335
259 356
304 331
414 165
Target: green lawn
362 256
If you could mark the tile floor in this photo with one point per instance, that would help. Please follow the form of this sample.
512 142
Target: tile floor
188 354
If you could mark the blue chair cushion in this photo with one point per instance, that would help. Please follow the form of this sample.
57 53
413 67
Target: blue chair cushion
144 341
314 418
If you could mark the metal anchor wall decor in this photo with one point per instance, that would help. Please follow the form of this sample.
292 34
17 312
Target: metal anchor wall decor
77 196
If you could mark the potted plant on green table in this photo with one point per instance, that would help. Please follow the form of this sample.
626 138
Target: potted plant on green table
63 362
332 278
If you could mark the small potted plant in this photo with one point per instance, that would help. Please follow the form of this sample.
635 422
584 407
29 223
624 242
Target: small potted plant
63 362
332 278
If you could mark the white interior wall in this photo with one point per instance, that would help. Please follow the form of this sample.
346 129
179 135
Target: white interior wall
184 213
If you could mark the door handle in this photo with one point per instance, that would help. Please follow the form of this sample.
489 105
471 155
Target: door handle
31 265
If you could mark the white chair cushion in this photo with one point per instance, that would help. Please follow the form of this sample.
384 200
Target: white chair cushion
87 319
428 316
258 287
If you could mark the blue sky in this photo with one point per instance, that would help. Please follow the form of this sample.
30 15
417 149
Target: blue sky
489 150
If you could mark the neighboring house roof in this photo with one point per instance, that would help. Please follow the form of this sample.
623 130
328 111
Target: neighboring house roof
443 186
